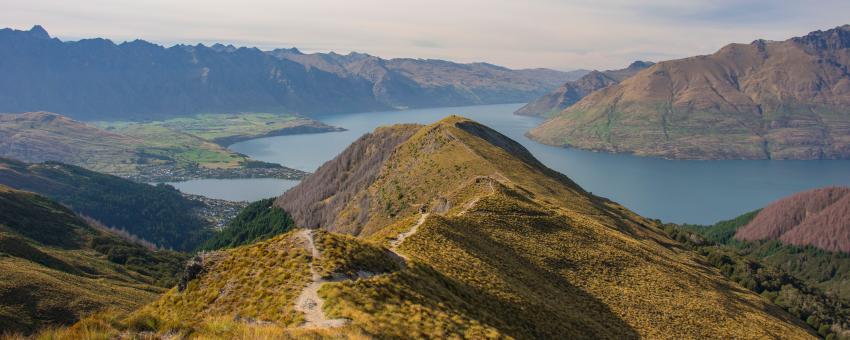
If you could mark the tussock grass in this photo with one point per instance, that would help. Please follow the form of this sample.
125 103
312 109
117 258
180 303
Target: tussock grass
258 281
347 255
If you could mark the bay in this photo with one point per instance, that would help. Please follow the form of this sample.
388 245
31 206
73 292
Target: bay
671 190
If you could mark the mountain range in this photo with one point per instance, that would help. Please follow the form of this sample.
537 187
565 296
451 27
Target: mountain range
573 91
98 79
764 100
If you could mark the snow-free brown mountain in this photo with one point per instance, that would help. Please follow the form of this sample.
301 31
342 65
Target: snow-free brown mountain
819 218
573 91
98 79
764 100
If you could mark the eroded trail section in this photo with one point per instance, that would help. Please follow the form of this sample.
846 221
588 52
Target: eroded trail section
474 201
394 244
309 301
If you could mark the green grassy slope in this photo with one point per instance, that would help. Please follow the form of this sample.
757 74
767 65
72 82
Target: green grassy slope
56 268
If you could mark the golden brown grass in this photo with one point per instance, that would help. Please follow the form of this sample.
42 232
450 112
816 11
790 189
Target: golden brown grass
347 255
533 257
258 281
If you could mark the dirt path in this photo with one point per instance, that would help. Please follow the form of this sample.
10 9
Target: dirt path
394 244
474 201
309 301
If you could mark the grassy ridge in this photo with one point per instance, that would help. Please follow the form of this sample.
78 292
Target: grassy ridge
509 249
510 240
258 281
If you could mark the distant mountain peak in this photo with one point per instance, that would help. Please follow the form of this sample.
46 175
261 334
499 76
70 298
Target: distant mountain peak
39 32
836 38
640 64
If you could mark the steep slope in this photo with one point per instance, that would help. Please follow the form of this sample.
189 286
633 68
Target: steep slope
819 218
56 268
764 100
98 79
158 214
507 240
808 283
573 91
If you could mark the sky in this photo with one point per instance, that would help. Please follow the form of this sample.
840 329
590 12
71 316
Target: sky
564 35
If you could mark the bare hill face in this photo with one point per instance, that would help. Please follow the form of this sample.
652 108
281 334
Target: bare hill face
764 100
819 218
573 91
493 243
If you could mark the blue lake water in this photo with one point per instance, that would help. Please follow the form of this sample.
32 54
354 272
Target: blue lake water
243 189
671 190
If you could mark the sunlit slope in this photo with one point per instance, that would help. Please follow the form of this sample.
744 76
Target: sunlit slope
764 100
462 233
515 248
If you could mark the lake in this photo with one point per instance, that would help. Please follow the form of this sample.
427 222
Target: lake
671 190
242 189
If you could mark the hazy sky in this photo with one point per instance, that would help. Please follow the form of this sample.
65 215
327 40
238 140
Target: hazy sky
564 35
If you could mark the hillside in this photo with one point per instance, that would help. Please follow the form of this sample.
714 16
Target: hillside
152 151
158 214
460 232
56 268
572 91
764 100
98 79
260 220
819 218
808 283
772 235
